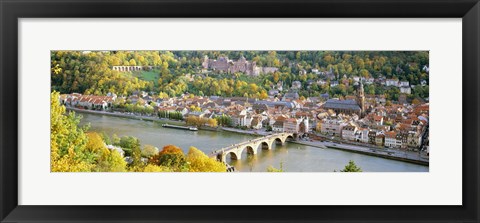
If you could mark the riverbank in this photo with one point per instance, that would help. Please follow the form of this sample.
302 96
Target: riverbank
404 156
137 117
409 157
130 116
245 132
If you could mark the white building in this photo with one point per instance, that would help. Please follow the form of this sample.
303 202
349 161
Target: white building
391 82
405 90
364 135
348 132
332 126
404 84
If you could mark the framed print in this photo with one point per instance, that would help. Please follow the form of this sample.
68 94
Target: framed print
225 111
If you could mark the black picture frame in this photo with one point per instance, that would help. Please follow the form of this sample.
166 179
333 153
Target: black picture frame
11 11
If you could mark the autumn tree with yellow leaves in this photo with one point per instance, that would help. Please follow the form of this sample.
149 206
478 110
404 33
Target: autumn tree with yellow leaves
67 140
199 162
73 150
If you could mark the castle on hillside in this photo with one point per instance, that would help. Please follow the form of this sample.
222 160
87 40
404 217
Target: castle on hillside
223 64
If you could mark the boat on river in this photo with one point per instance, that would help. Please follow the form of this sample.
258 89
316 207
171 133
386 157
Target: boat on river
191 128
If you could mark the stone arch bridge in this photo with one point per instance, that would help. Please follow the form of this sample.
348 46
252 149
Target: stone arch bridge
252 146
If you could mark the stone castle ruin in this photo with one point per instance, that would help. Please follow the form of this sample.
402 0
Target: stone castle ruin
223 64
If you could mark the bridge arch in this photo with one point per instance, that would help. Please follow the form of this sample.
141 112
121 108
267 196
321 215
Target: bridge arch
265 144
279 141
233 155
250 149
289 137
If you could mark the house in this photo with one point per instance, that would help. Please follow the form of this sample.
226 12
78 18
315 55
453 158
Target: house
183 111
404 140
273 92
290 96
304 126
99 104
321 82
405 90
371 136
291 125
278 126
332 126
390 139
333 83
379 139
426 69
364 135
369 80
349 132
256 122
414 140
391 82
404 84
377 119
296 85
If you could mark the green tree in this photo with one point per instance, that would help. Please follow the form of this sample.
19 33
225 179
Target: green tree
273 169
149 151
351 167
128 144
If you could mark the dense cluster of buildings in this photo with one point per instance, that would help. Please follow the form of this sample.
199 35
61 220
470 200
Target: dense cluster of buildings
405 87
362 119
88 101
395 126
223 64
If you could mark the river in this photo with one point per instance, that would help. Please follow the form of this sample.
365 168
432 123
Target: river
292 157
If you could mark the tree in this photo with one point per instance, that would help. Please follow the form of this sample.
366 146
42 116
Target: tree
110 161
171 156
128 144
155 168
67 140
137 164
95 142
416 101
212 122
149 151
132 62
268 128
351 167
273 169
199 162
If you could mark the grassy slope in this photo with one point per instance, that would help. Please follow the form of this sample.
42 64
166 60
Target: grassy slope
152 75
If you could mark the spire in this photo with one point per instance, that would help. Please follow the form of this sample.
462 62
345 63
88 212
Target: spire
360 91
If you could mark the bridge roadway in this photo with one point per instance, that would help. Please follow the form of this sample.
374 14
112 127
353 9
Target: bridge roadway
251 146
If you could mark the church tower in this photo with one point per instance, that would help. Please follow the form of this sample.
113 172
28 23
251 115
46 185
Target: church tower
361 99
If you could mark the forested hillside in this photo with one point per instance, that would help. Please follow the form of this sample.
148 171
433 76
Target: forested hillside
177 72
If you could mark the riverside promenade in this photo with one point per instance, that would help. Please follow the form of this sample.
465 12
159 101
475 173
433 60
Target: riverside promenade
400 155
126 115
